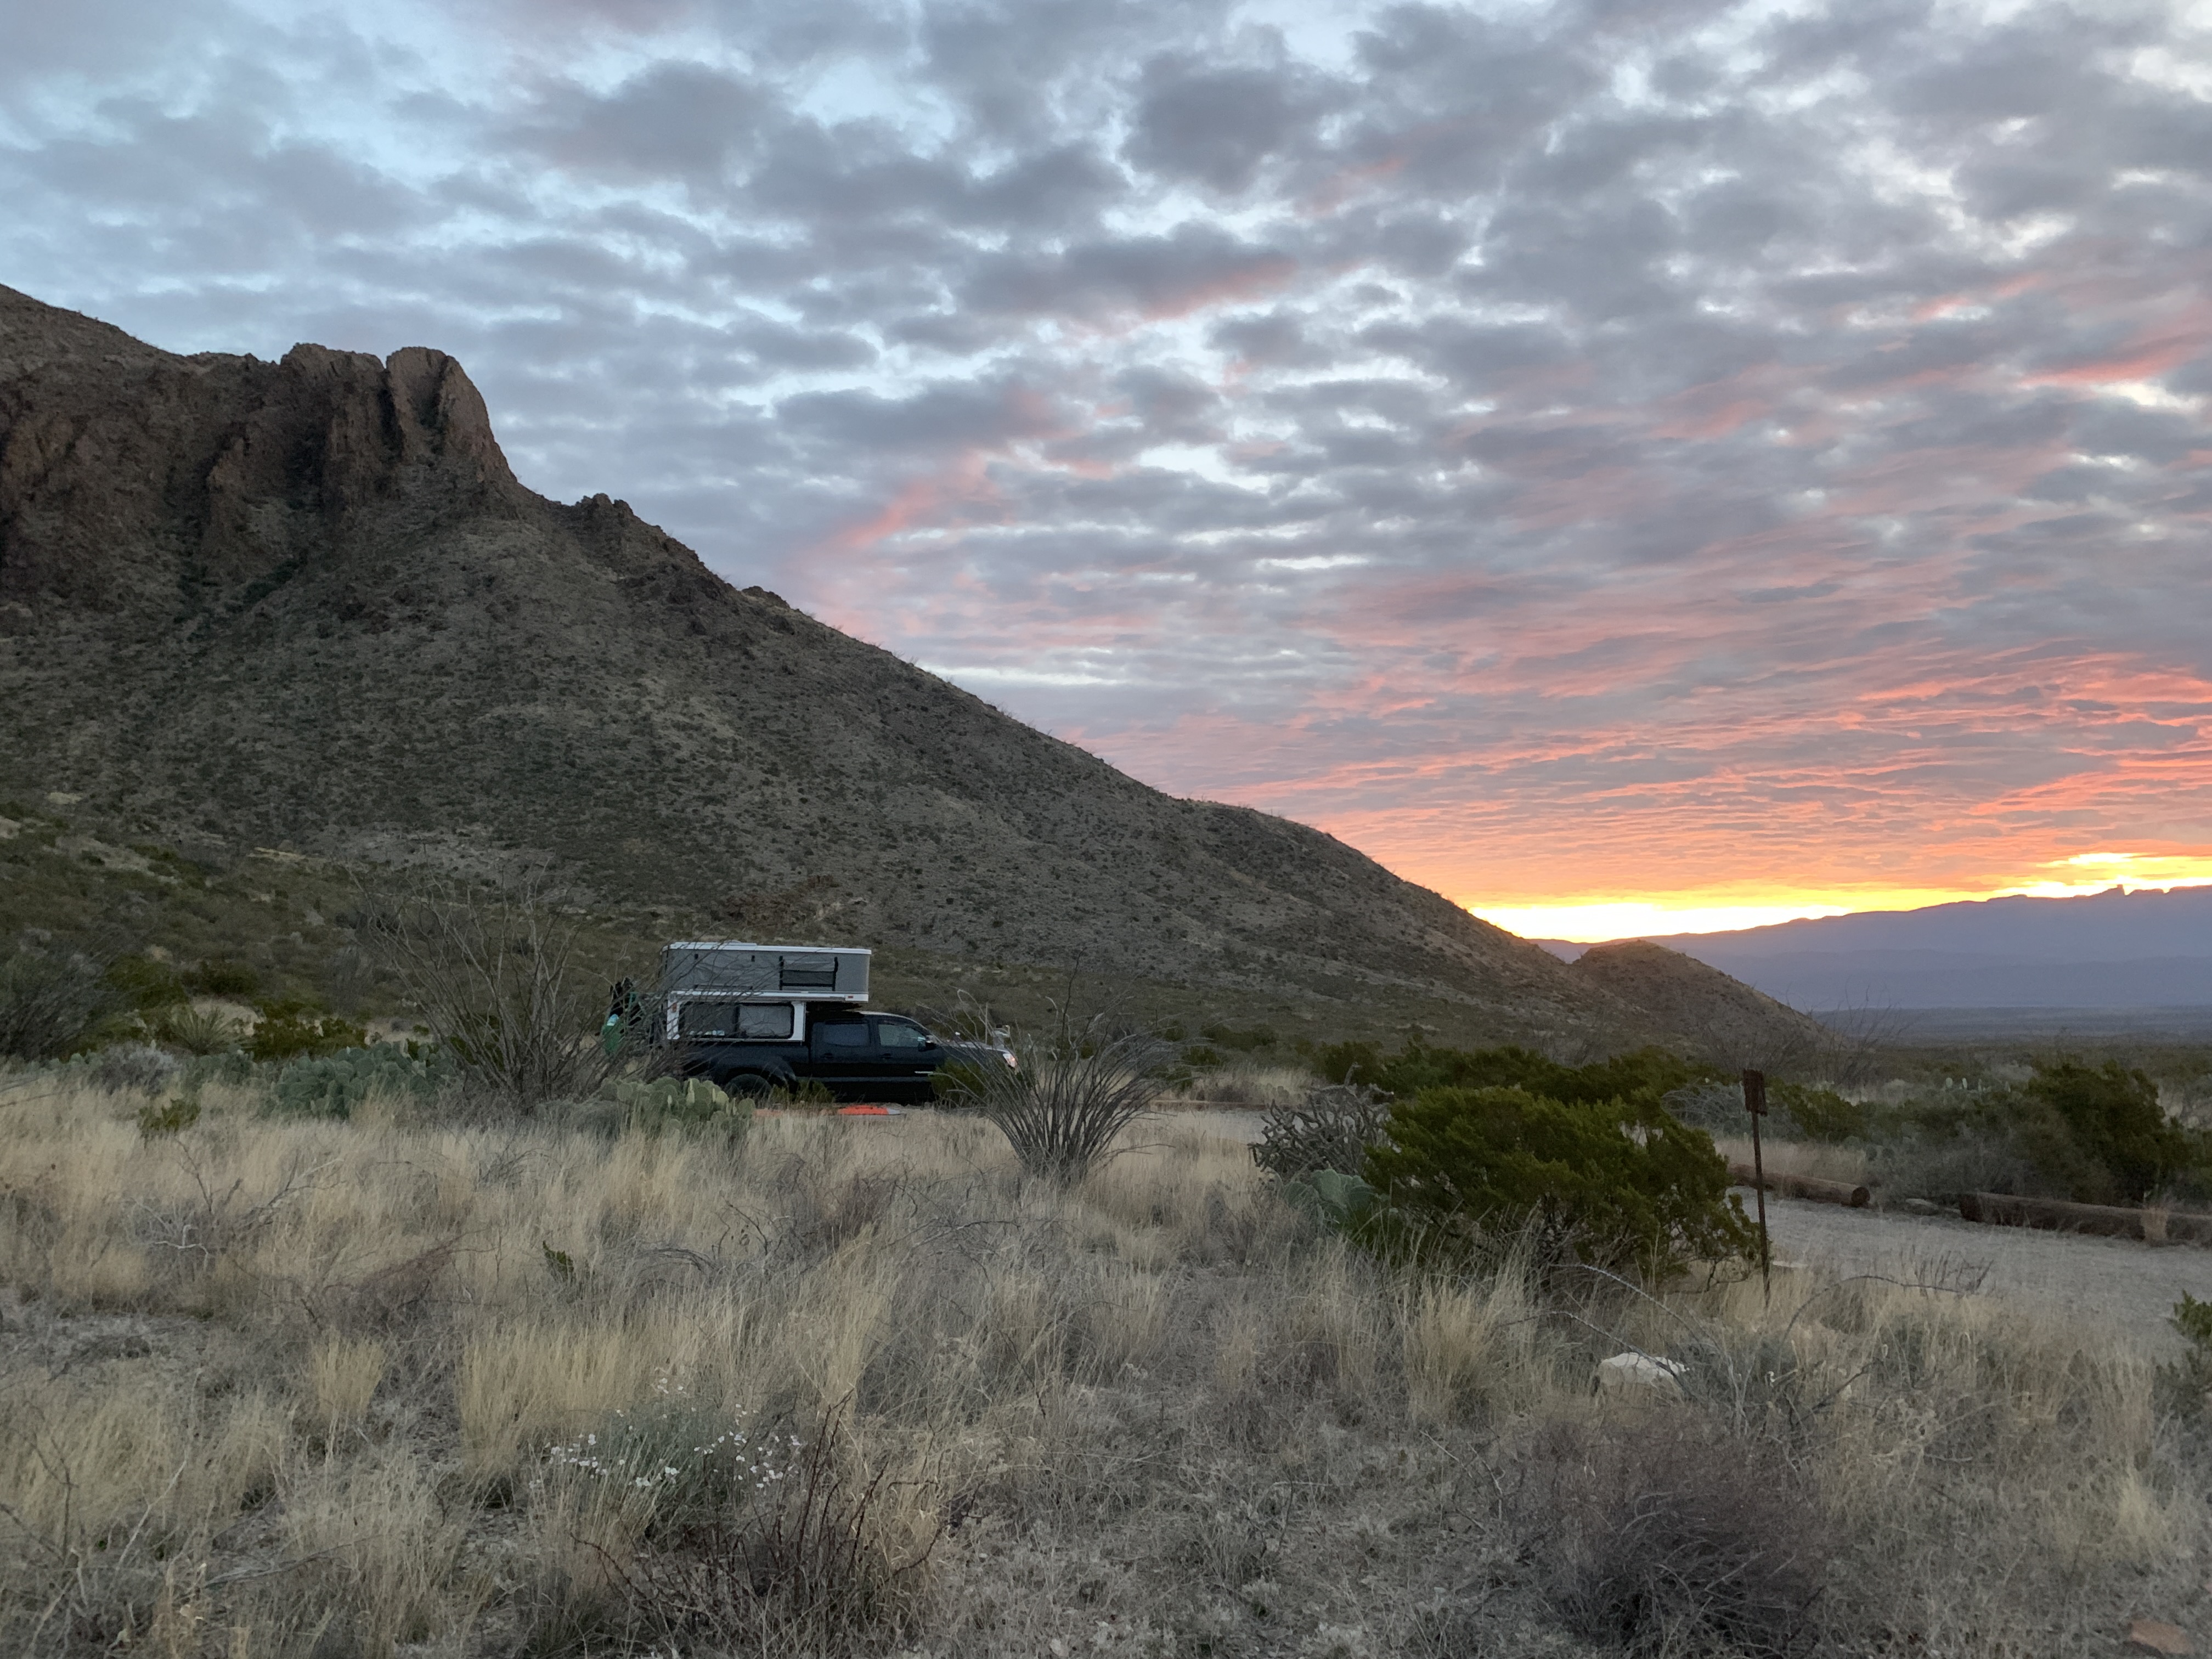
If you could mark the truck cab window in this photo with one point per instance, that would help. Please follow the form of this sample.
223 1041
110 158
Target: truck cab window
897 1034
844 1034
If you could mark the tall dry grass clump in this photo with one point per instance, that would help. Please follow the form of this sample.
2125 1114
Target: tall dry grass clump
292 1387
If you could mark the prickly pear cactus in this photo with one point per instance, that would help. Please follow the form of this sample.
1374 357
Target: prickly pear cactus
688 1102
333 1085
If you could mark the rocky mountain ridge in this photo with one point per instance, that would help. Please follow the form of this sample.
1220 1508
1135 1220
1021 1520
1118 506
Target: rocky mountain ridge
307 604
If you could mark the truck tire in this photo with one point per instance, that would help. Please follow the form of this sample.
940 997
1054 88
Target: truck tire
748 1085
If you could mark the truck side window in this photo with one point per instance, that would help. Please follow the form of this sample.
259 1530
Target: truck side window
845 1034
897 1034
764 1019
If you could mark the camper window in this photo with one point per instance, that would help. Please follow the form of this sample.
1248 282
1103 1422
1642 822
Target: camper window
764 1019
808 974
695 1019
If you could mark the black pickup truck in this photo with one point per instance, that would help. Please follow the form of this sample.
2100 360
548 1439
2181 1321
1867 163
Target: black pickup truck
752 1018
751 1047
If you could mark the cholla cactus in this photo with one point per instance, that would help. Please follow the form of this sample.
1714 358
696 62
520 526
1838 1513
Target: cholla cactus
1331 1129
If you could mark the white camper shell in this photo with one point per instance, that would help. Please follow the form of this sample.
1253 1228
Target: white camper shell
728 988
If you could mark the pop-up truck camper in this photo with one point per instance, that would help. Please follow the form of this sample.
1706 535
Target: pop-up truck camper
753 1017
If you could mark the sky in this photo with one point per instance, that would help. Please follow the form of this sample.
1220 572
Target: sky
1632 465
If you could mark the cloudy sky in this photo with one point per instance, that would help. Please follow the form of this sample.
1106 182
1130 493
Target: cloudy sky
1734 458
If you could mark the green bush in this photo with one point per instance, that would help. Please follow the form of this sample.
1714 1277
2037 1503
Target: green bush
332 1085
1348 1062
1244 1042
2095 1134
220 977
2188 1385
144 983
1612 1183
2110 1141
1643 1076
292 1027
1820 1115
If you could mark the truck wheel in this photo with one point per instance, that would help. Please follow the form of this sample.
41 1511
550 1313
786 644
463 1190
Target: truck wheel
748 1085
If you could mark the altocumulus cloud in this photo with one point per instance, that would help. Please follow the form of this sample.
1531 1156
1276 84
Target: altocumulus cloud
1577 447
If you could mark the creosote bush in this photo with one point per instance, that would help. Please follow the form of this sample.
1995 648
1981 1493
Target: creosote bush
292 1028
1606 1183
2120 1147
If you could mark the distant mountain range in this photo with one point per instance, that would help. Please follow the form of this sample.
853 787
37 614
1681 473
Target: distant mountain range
2113 950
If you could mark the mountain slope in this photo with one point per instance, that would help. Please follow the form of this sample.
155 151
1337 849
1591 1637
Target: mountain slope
1722 1017
307 604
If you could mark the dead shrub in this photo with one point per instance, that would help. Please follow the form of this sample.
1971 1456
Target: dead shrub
1664 1536
820 1551
498 979
828 1210
387 1298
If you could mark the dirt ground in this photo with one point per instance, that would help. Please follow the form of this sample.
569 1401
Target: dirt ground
2128 1285
2118 1281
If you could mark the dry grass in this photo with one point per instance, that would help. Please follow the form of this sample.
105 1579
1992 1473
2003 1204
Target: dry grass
1245 1086
315 1388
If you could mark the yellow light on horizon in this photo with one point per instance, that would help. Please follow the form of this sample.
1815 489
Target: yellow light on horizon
1596 921
1593 924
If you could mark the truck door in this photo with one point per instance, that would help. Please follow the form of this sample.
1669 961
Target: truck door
840 1053
905 1054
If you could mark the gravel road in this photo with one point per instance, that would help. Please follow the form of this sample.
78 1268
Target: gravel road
2117 1282
2114 1281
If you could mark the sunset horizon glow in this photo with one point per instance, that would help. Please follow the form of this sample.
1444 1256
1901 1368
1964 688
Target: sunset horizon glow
1597 920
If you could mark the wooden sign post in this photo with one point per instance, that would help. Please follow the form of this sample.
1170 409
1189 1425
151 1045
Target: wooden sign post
1755 1101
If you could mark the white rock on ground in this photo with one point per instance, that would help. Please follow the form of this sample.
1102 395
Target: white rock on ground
1639 1373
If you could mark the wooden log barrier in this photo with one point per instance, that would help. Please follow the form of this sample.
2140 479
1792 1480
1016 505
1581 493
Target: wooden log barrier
1791 1186
2105 1220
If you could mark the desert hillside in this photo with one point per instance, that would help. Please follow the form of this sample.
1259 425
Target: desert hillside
306 605
1722 1019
